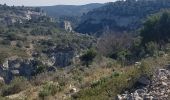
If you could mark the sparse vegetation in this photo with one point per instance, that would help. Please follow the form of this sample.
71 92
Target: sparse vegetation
17 85
91 67
49 89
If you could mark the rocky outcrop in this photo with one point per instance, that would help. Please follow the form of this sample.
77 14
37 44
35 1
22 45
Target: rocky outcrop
15 66
57 56
158 89
18 67
18 14
62 56
67 26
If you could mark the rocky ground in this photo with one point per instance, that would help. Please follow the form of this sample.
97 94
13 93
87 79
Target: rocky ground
158 89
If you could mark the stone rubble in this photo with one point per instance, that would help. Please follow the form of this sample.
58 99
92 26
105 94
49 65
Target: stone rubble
159 88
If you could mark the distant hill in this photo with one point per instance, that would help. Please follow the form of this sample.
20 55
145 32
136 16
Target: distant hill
120 16
69 10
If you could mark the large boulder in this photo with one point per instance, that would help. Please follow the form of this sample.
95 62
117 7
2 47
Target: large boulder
2 81
143 80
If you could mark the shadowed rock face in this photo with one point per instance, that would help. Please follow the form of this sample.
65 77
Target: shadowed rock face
142 81
100 23
159 89
18 67
62 57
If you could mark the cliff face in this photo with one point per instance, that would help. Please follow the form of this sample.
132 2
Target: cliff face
100 23
120 16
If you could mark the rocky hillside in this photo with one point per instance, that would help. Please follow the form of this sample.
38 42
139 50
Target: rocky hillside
69 10
70 13
10 15
32 42
42 60
126 15
157 88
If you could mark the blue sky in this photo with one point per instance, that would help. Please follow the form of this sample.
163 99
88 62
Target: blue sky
50 2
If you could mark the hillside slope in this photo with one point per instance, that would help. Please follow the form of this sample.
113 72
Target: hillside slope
120 16
69 10
32 42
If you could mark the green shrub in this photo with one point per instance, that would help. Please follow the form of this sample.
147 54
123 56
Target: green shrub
6 42
78 78
19 44
115 74
49 89
3 56
109 65
18 84
39 67
157 28
3 98
88 57
152 48
13 36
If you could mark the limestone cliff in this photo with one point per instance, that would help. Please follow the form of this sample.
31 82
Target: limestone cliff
124 15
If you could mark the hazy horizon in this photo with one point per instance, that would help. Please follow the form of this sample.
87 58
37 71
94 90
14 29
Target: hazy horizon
50 2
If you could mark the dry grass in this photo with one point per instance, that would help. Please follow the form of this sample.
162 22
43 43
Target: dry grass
95 72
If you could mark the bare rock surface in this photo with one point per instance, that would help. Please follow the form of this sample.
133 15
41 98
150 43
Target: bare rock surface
159 88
